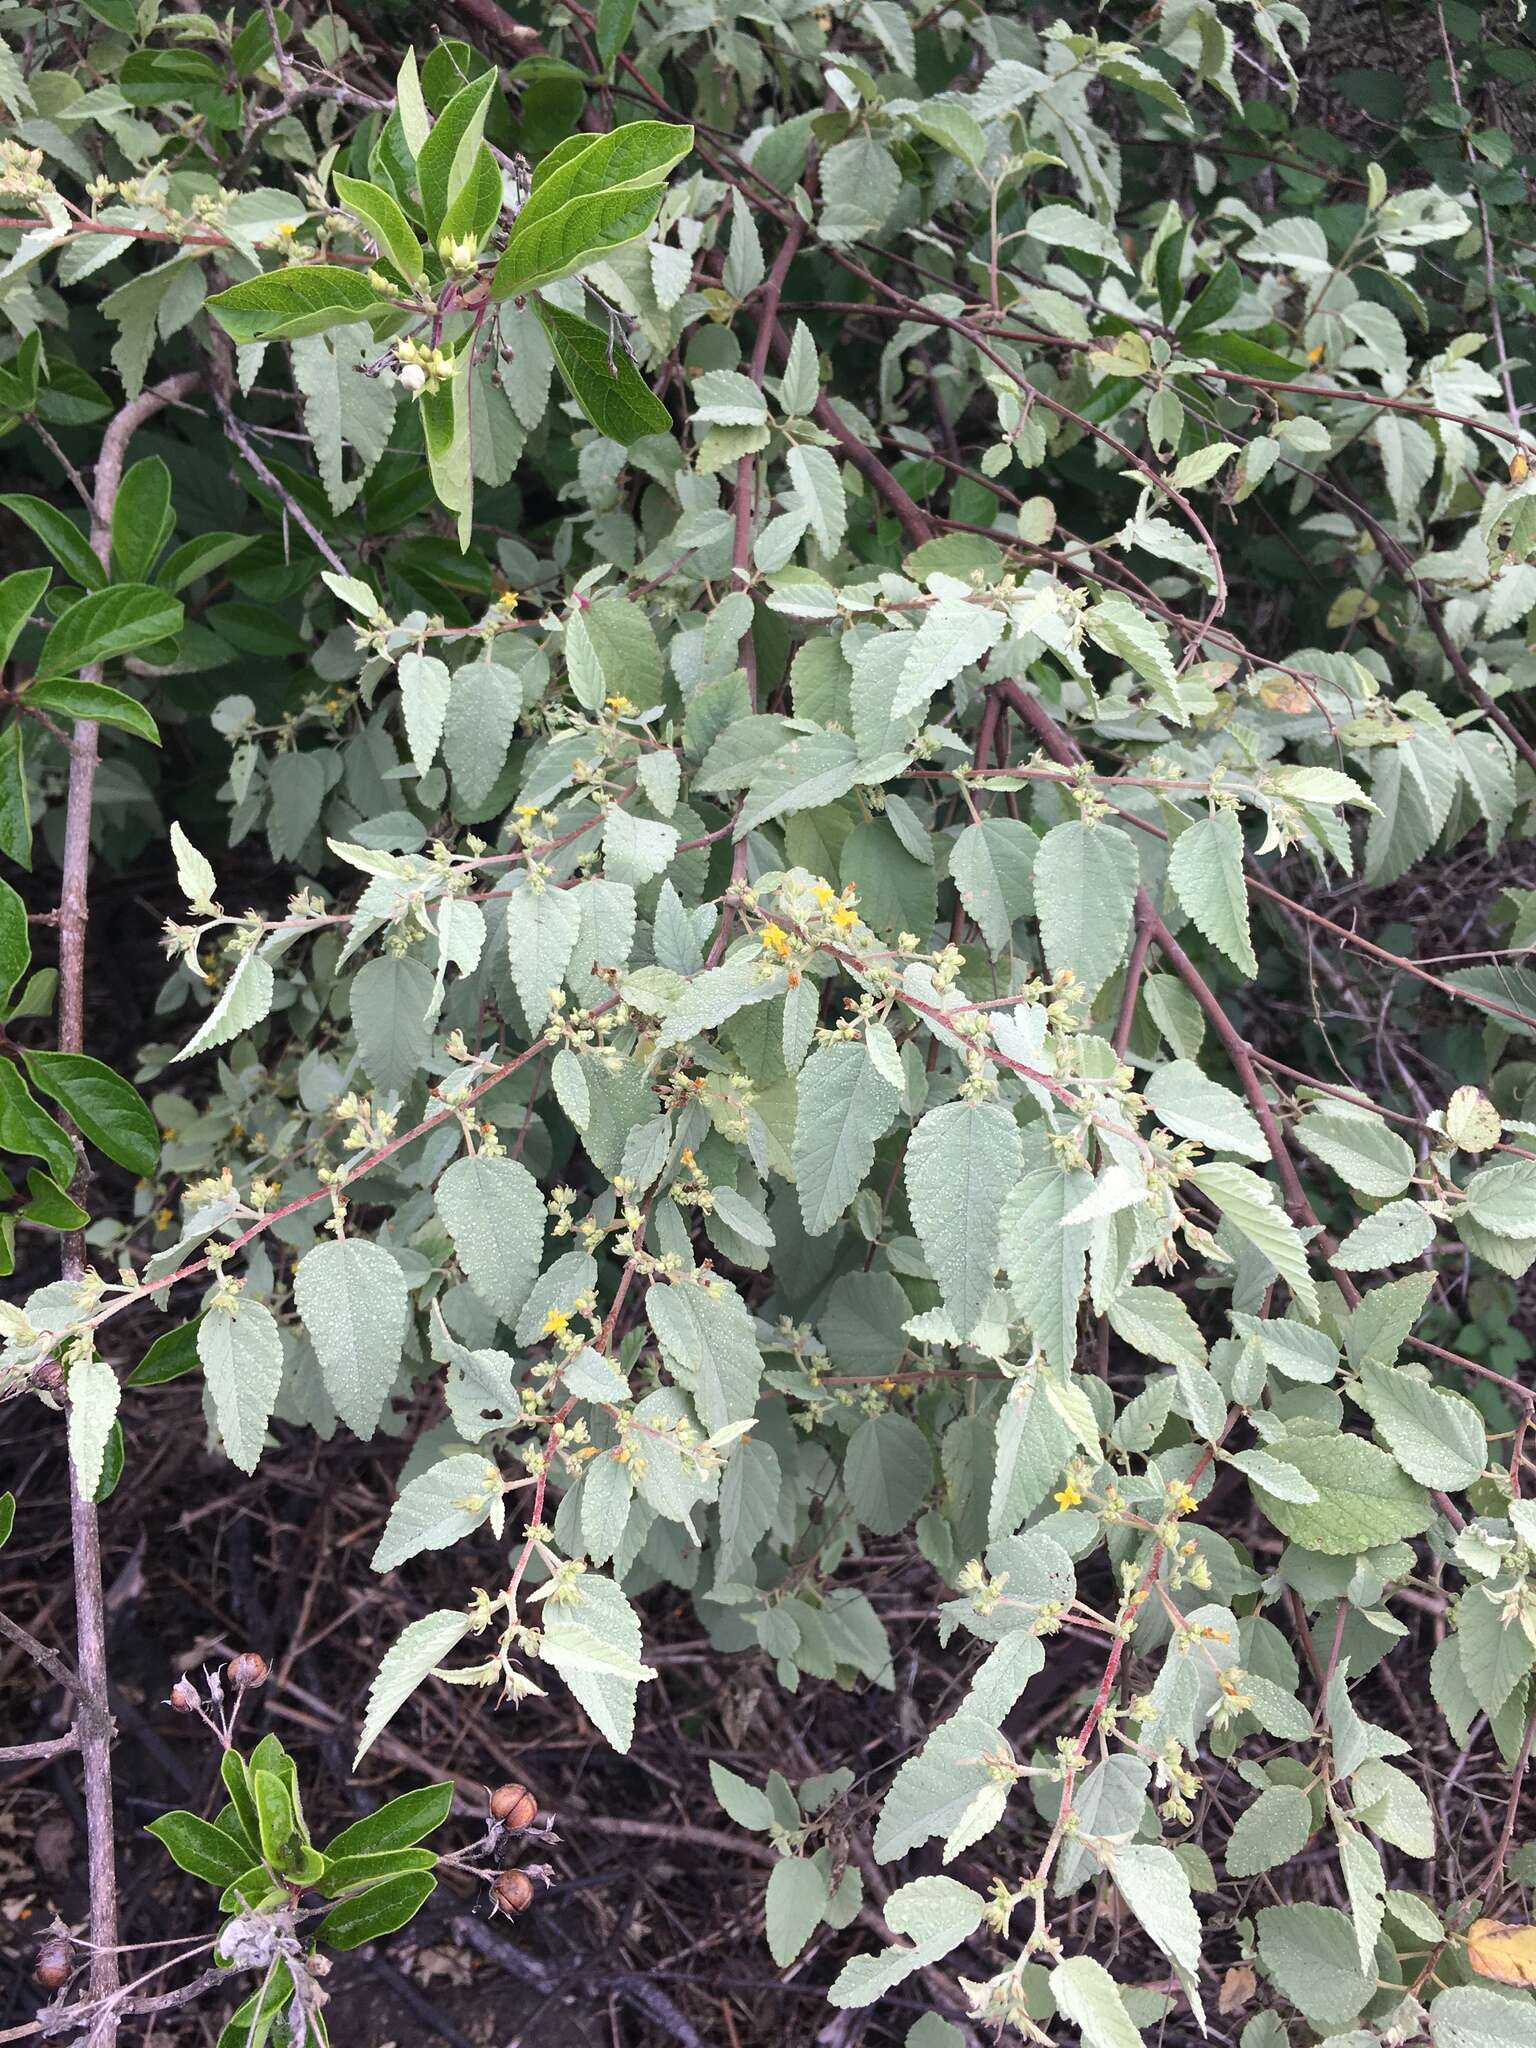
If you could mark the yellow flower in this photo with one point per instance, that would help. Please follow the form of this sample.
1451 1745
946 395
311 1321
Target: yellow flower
509 600
844 917
286 230
1315 355
687 1155
824 894
164 1218
556 1323
1186 1502
1069 1497
619 705
774 941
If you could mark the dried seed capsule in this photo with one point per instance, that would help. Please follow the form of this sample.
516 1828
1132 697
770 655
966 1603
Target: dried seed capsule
184 1696
246 1671
512 1892
515 1805
53 1967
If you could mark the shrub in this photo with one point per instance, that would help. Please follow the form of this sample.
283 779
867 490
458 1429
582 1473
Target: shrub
794 681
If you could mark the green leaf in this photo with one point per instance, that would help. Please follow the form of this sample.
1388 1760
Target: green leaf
447 160
15 811
1495 1650
709 1344
446 1501
1275 1828
1154 1885
844 1107
141 519
1186 1102
1064 227
352 1297
108 1112
241 1352
94 1394
15 942
494 1213
1395 1234
1477 2016
172 1354
935 1791
306 298
1311 1955
576 235
746 1805
349 1873
796 1898
390 1001
245 1001
51 1205
197 1846
936 1913
1089 1997
397 1824
105 624
1085 888
1502 1198
200 557
887 1472
406 1662
64 541
343 408
1364 1498
601 377
1437 1437
376 1912
591 1636
542 927
992 864
382 216
962 1161
1046 1257
7 1517
73 698
615 19
1361 1150
1251 1207
1206 870
26 1127
20 596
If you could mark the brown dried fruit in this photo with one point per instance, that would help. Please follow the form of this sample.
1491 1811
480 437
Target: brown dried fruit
184 1696
246 1671
53 1967
512 1892
514 1805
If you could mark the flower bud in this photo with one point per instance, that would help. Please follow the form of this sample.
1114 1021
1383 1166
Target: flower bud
413 377
246 1671
512 1892
514 1805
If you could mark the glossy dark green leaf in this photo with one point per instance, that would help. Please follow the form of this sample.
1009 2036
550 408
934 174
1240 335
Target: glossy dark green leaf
71 697
61 536
111 1464
20 596
377 1912
602 379
200 556
168 1357
15 942
197 1846
27 1128
141 519
15 812
50 1205
346 1873
396 1826
309 298
106 624
110 1114
7 1517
